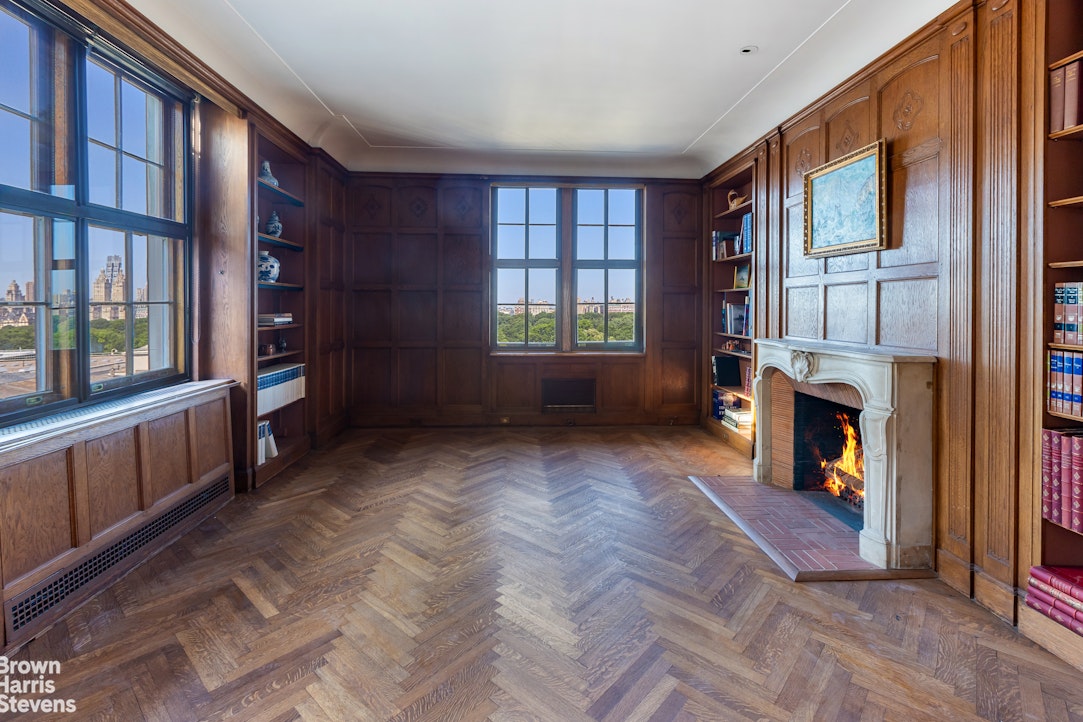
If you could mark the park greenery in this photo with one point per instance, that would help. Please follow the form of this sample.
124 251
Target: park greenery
105 335
543 328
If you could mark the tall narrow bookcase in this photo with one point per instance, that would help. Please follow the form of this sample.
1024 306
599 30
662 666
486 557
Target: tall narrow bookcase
279 358
1054 542
731 247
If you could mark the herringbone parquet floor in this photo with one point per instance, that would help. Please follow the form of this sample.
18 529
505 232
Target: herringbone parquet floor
524 574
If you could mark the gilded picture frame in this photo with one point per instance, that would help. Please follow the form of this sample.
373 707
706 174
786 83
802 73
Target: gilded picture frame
845 204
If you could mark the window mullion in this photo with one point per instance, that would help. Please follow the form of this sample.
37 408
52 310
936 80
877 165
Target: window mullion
567 313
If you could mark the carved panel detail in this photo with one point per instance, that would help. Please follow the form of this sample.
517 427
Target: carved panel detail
907 110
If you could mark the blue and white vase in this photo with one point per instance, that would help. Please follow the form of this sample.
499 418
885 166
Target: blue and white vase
274 225
265 174
267 267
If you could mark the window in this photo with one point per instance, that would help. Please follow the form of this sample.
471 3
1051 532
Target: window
567 268
93 218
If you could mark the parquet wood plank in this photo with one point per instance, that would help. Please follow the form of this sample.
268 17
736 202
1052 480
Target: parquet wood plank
524 574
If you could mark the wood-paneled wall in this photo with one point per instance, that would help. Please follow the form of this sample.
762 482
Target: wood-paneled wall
947 103
419 316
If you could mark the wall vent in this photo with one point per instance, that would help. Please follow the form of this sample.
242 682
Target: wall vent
569 395
24 609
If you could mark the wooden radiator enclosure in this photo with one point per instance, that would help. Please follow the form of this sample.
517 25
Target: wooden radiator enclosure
86 497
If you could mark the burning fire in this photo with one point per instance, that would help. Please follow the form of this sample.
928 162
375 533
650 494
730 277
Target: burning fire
845 476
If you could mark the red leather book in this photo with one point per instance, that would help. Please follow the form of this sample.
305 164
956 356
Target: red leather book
1047 472
1067 579
1068 599
1071 95
1058 605
1048 610
1056 99
1075 495
1055 506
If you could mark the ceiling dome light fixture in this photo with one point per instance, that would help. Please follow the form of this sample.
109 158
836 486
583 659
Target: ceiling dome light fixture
749 50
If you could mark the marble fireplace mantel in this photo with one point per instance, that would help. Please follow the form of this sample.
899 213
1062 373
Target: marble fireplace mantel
896 435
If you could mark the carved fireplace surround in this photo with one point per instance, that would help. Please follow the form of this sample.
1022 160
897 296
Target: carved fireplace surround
896 435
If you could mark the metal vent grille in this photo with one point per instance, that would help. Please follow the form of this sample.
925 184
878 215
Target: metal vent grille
563 395
38 602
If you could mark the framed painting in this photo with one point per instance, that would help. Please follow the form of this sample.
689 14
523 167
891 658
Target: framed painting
845 204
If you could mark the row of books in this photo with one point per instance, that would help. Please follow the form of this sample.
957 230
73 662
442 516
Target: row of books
1064 382
1062 477
274 319
725 244
266 447
279 385
1057 592
1066 312
736 318
1065 100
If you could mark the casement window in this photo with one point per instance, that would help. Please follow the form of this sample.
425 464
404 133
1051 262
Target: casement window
94 228
567 268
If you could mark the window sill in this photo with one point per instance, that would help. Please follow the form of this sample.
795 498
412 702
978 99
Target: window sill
19 435
521 353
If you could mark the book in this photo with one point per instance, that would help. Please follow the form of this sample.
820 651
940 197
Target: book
746 233
1059 290
1068 599
1071 313
1056 100
1036 603
1075 493
1058 604
1065 480
1047 472
1055 472
727 370
735 315
1067 579
1071 95
742 275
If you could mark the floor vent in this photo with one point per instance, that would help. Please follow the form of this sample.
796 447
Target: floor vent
568 395
30 606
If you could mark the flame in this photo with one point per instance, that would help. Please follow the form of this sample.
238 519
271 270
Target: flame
850 462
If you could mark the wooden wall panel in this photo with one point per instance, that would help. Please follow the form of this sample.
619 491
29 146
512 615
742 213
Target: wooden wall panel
848 127
327 357
416 318
516 387
621 387
35 513
847 314
679 262
371 317
167 446
679 318
908 318
415 206
372 379
372 257
462 378
211 438
463 314
417 376
802 312
996 379
679 385
113 476
415 258
915 203
463 254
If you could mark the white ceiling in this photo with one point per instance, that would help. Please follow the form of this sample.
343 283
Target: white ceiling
569 87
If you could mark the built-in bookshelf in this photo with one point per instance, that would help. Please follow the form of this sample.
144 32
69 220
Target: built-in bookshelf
731 246
1057 557
278 430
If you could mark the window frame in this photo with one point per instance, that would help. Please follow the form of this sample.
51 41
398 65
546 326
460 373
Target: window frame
73 205
568 264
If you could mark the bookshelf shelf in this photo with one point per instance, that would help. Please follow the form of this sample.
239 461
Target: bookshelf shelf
279 242
279 327
277 194
736 211
281 286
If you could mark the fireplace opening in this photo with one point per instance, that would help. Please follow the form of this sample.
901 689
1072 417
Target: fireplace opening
827 452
